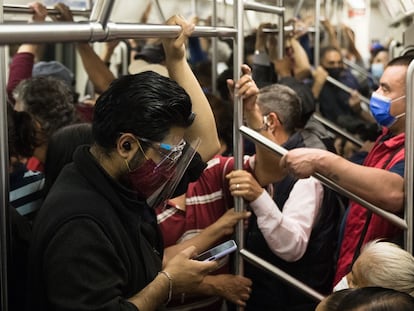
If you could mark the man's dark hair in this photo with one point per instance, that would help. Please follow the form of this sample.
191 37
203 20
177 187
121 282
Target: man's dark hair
376 299
404 60
48 100
146 105
327 49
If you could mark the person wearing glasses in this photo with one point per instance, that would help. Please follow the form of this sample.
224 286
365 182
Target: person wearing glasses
96 244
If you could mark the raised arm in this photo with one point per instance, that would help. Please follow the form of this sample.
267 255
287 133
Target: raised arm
265 170
204 126
97 71
382 188
22 63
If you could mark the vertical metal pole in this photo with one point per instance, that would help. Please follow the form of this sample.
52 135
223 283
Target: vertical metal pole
194 7
214 52
238 121
391 49
316 43
298 8
4 181
101 12
409 158
281 34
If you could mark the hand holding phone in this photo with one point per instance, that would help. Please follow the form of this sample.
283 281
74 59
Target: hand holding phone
218 252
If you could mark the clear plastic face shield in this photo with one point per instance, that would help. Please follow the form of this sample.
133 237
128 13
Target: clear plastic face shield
171 169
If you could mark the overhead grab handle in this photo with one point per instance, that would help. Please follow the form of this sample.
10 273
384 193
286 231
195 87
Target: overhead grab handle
251 134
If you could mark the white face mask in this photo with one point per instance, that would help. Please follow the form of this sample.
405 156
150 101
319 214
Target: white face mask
342 284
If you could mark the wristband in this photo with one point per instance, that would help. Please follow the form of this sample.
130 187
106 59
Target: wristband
170 285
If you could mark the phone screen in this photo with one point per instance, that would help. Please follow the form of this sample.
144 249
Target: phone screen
218 251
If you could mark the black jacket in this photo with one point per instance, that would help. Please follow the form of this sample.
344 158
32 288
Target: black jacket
94 243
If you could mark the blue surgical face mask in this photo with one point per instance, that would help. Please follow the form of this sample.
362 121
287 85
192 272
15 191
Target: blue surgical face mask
377 70
380 109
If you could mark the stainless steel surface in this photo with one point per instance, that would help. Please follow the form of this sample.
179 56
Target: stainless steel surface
252 258
238 11
339 131
409 156
346 88
4 183
25 9
258 7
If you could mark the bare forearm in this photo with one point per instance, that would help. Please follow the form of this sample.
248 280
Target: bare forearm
204 126
302 68
201 241
150 297
379 187
97 71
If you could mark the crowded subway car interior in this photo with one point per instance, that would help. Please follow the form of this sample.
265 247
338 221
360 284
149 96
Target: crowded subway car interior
142 133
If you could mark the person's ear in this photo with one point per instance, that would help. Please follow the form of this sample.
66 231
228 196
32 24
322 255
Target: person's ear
127 143
272 120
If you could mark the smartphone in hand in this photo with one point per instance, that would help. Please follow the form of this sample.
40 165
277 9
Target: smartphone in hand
218 252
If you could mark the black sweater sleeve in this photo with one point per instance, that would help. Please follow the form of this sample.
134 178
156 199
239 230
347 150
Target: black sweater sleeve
83 270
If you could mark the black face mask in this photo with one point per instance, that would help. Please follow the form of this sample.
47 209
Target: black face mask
335 72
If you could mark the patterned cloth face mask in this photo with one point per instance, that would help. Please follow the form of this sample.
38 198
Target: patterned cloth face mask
150 176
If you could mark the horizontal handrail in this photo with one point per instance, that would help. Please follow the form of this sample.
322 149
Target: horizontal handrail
346 88
252 258
93 31
25 9
259 7
397 221
128 31
338 130
288 29
360 69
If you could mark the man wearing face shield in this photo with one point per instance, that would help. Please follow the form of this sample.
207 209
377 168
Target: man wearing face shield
96 242
380 180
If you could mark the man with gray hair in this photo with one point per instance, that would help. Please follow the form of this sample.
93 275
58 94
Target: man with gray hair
383 264
293 226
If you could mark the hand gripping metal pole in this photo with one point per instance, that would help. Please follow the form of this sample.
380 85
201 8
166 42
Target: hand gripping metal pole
394 219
